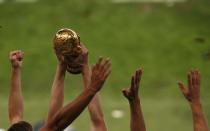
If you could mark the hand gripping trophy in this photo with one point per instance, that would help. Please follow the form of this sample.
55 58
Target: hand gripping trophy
67 44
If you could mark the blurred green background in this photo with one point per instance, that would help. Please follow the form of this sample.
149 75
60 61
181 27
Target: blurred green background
166 39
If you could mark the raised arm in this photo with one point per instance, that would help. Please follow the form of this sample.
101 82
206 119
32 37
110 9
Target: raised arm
15 97
57 91
131 93
71 111
192 94
95 110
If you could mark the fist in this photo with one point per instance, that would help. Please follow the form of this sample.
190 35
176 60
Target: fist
16 58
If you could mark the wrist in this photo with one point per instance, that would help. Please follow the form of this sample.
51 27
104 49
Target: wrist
16 68
93 88
90 91
85 69
196 103
62 66
195 100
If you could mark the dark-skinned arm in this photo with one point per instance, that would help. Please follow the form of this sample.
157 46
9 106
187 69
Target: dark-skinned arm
94 107
131 93
72 110
192 94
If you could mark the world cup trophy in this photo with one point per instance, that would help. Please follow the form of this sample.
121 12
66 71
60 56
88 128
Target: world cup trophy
67 43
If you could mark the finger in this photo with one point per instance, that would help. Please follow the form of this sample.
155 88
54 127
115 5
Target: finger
13 57
83 47
20 55
189 76
193 78
136 80
183 89
98 64
106 67
18 52
107 61
136 76
125 92
198 78
12 53
107 73
103 63
100 59
62 58
140 74
139 71
133 83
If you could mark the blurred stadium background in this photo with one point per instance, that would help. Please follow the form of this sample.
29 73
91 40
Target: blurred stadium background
164 37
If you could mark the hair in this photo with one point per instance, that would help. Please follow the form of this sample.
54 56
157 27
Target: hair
21 126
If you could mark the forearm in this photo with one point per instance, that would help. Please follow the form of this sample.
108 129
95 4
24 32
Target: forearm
94 108
71 111
96 115
15 97
199 120
137 120
57 92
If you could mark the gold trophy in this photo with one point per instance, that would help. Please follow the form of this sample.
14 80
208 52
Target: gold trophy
67 43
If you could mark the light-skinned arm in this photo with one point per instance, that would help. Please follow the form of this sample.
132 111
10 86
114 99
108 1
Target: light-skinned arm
94 108
57 91
15 97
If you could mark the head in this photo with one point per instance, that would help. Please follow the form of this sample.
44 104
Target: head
67 43
21 126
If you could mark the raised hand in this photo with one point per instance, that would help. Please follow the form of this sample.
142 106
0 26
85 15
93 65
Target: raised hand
192 94
66 115
131 93
15 97
100 71
94 107
192 91
83 58
16 58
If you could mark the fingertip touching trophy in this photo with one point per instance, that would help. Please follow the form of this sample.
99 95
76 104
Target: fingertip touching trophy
67 44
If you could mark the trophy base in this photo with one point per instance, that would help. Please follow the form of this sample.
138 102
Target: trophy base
74 70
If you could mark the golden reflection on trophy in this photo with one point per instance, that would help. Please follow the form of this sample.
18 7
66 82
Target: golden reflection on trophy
67 43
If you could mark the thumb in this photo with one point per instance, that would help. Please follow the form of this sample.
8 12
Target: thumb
62 58
125 92
183 88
